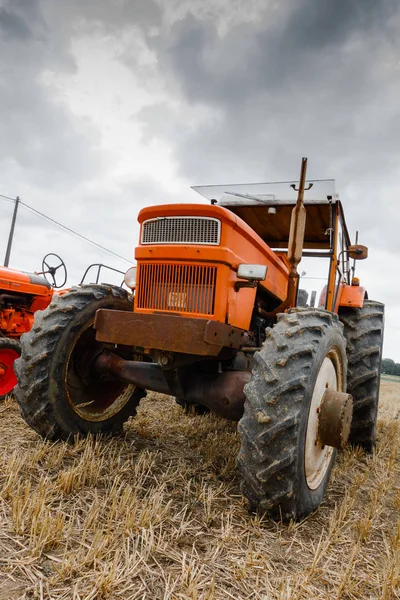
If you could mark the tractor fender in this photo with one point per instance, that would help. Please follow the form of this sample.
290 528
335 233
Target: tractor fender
352 296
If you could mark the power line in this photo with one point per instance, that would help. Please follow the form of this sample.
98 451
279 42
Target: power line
7 198
68 229
42 215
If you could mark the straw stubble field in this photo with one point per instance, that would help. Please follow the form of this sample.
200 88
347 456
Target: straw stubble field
157 514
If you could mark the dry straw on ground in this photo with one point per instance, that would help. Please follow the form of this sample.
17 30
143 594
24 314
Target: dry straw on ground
157 514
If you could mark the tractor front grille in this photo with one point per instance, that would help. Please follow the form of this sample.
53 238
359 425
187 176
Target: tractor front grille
176 288
182 230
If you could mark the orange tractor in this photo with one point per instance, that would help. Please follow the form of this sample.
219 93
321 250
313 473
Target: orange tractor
215 322
21 295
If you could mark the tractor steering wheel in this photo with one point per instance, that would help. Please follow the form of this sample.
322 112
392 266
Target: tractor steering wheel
47 269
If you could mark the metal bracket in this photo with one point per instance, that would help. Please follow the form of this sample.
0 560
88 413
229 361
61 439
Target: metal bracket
245 284
293 185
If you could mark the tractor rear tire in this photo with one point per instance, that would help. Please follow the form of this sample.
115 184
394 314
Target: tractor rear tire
285 469
58 395
10 350
363 329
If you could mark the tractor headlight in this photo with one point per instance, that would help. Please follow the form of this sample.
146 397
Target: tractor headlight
130 277
252 272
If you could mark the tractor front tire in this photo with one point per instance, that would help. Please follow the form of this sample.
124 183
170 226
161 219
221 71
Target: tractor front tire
10 350
285 468
58 394
363 329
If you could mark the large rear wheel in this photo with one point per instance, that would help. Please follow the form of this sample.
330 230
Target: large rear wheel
363 329
9 352
285 468
58 394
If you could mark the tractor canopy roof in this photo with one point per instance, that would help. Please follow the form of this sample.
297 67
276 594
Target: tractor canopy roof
267 208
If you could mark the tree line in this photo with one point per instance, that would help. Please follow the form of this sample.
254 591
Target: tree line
389 367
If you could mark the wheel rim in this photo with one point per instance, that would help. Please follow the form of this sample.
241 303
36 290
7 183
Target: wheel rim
90 397
317 456
8 379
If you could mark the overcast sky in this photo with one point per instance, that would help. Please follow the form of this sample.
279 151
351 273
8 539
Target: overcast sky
110 105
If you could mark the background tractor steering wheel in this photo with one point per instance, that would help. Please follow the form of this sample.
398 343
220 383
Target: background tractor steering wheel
48 269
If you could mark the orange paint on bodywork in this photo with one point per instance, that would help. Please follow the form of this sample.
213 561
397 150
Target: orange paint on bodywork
351 295
14 321
238 244
16 281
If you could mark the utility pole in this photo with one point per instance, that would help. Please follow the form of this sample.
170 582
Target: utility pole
10 237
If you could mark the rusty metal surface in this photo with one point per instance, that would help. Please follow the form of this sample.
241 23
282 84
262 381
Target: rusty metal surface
296 237
334 234
221 392
298 221
225 335
357 252
167 332
145 375
295 243
334 419
274 228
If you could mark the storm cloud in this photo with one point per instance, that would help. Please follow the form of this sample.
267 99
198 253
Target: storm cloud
307 76
39 138
110 105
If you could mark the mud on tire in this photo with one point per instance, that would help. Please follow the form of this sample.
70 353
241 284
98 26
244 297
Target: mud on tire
57 394
276 476
363 329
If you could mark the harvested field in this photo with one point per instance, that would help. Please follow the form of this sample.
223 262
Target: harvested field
158 514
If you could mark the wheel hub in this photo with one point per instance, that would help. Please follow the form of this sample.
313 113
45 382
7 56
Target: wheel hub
334 418
317 454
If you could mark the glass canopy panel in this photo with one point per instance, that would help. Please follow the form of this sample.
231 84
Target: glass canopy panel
280 192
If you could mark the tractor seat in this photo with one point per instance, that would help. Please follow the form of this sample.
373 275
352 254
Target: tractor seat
302 298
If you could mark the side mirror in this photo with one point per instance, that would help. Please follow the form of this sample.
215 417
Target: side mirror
357 252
